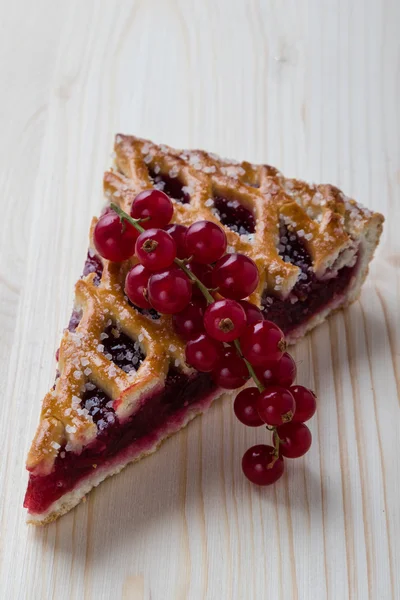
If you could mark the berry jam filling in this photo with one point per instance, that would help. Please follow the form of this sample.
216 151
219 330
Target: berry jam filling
159 409
148 312
151 313
310 294
99 407
93 264
170 186
74 320
121 349
234 215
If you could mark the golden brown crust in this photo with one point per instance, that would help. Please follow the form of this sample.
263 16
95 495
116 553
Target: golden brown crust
333 227
328 222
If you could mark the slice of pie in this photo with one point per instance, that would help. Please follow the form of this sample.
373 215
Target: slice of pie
122 385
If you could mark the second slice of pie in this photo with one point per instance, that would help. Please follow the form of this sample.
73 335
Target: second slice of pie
123 385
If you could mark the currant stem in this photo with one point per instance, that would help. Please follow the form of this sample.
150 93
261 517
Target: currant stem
192 277
249 367
206 293
276 440
125 217
261 388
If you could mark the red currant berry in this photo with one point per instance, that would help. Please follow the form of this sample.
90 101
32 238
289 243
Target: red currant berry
295 439
114 240
231 371
155 249
205 241
262 342
177 232
169 291
278 372
203 353
202 272
235 276
276 405
253 313
153 205
189 322
261 466
107 209
225 320
136 284
245 407
306 403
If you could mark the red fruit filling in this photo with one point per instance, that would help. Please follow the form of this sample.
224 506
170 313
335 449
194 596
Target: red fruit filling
234 215
74 320
93 264
171 186
123 351
151 313
310 295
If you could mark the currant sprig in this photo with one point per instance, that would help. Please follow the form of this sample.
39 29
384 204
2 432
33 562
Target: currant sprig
180 272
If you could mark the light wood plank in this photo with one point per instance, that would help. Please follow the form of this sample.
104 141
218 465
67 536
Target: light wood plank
311 87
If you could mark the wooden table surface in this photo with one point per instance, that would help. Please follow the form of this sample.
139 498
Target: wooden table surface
312 87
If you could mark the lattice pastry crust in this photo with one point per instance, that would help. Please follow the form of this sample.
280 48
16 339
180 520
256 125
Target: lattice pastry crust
334 229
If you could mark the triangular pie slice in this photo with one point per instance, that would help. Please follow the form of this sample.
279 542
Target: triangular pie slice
122 385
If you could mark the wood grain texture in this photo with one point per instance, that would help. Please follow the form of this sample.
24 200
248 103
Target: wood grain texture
311 86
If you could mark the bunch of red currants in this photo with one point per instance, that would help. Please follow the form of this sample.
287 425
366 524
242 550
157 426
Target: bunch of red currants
185 272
